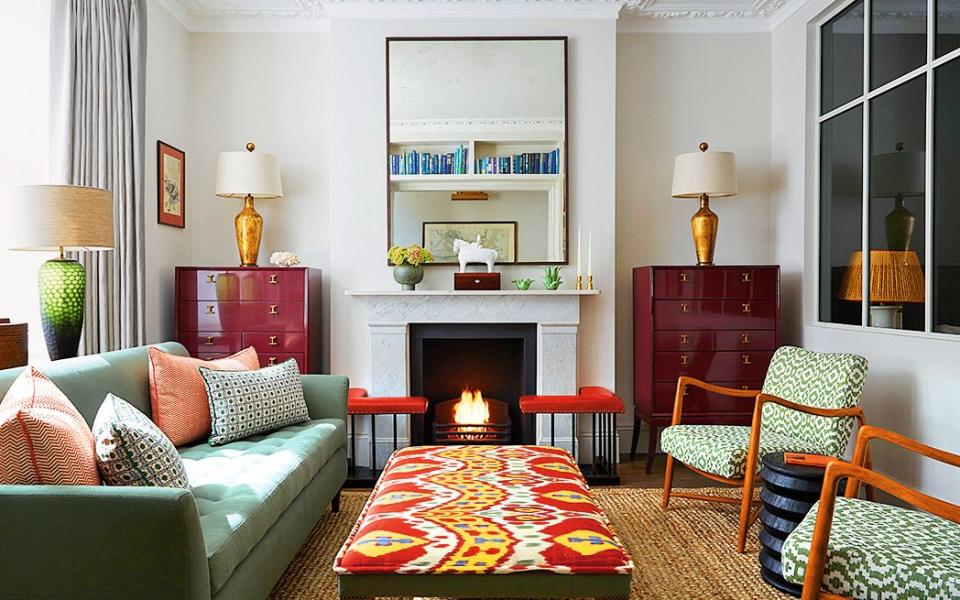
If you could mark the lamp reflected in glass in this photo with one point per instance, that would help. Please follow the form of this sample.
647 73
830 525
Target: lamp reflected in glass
899 175
896 278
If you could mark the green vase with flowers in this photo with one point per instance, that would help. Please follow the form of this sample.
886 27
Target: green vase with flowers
408 264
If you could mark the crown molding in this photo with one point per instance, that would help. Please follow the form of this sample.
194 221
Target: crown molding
710 16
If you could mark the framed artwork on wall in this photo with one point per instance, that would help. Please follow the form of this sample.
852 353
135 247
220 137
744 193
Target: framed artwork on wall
438 237
171 186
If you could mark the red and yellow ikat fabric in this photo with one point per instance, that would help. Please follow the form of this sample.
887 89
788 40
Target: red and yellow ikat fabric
482 510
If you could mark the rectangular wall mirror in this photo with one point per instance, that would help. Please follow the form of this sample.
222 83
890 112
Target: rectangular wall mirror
477 146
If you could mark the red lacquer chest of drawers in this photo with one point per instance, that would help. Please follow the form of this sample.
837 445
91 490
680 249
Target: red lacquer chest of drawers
718 324
221 310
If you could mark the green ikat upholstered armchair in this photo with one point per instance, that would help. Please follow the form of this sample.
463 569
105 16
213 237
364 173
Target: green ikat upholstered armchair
852 548
809 403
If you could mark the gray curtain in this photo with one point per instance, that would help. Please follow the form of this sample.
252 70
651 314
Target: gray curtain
98 60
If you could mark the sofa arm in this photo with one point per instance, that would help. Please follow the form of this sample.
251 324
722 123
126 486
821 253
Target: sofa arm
101 542
326 396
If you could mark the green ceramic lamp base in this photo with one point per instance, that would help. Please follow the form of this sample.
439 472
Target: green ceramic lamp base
62 285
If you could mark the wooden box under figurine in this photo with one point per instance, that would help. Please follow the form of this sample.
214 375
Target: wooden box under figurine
476 281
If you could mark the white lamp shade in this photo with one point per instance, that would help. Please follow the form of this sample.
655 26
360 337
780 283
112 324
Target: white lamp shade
710 173
243 173
898 173
50 217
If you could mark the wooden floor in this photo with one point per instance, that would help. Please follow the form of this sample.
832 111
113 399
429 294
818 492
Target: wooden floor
632 474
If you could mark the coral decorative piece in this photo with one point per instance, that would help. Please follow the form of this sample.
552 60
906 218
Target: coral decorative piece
284 259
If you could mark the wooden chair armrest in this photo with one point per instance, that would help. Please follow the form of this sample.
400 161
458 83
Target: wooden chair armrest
853 411
685 381
837 470
868 433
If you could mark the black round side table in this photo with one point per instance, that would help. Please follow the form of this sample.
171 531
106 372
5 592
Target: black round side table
789 491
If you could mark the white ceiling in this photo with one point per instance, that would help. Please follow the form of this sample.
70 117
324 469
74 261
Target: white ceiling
313 15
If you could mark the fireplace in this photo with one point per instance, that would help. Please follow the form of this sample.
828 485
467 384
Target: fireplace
471 419
474 374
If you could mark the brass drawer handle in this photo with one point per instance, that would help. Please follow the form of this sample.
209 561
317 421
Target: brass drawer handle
686 391
684 359
272 341
683 277
745 277
211 278
745 359
273 279
684 307
272 360
209 341
744 338
746 307
273 309
209 309
683 338
745 387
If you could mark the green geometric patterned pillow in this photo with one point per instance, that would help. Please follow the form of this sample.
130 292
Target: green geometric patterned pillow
818 379
245 403
131 450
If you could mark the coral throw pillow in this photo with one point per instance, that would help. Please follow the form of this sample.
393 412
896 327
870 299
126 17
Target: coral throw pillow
178 398
43 439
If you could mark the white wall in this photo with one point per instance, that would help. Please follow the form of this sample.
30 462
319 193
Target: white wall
358 203
913 382
674 91
168 112
270 89
24 53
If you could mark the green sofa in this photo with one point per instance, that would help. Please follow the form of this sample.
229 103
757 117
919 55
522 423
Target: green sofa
251 507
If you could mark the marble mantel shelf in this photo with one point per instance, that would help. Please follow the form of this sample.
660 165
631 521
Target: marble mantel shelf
474 293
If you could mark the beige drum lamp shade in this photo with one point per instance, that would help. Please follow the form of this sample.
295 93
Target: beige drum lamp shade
247 173
710 173
51 217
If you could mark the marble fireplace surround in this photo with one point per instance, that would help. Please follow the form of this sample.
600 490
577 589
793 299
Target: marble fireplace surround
390 314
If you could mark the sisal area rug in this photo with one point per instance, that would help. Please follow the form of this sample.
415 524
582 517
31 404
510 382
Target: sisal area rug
686 552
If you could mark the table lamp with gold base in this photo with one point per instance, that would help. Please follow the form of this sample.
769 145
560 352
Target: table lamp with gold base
247 175
702 175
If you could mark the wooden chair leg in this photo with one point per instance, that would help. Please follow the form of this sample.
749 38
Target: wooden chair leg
651 448
335 503
667 483
636 438
745 505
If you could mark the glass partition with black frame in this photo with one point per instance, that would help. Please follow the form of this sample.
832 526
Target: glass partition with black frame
889 165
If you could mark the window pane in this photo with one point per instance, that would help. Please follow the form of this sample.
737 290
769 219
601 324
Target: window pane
948 26
898 39
841 216
897 184
946 199
842 58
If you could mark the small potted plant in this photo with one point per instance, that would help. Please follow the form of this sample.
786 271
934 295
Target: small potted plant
551 278
522 284
408 264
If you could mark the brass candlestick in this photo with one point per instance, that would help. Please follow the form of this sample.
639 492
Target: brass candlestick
589 282
579 282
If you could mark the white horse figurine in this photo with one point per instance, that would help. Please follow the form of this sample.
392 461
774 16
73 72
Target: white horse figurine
474 252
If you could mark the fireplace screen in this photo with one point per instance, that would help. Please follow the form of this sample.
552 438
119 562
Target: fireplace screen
472 419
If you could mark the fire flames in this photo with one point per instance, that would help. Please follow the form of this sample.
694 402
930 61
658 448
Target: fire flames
472 409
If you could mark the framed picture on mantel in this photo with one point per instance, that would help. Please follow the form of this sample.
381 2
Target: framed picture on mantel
171 186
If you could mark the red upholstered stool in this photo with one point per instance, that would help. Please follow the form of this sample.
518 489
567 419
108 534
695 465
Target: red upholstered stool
360 403
603 406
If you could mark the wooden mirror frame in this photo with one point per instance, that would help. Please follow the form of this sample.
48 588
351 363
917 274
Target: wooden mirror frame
565 147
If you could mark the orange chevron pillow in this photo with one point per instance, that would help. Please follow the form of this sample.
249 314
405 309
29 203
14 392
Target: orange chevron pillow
43 438
178 398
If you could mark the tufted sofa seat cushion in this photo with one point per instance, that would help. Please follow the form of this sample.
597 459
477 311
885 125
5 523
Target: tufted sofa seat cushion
881 551
243 487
